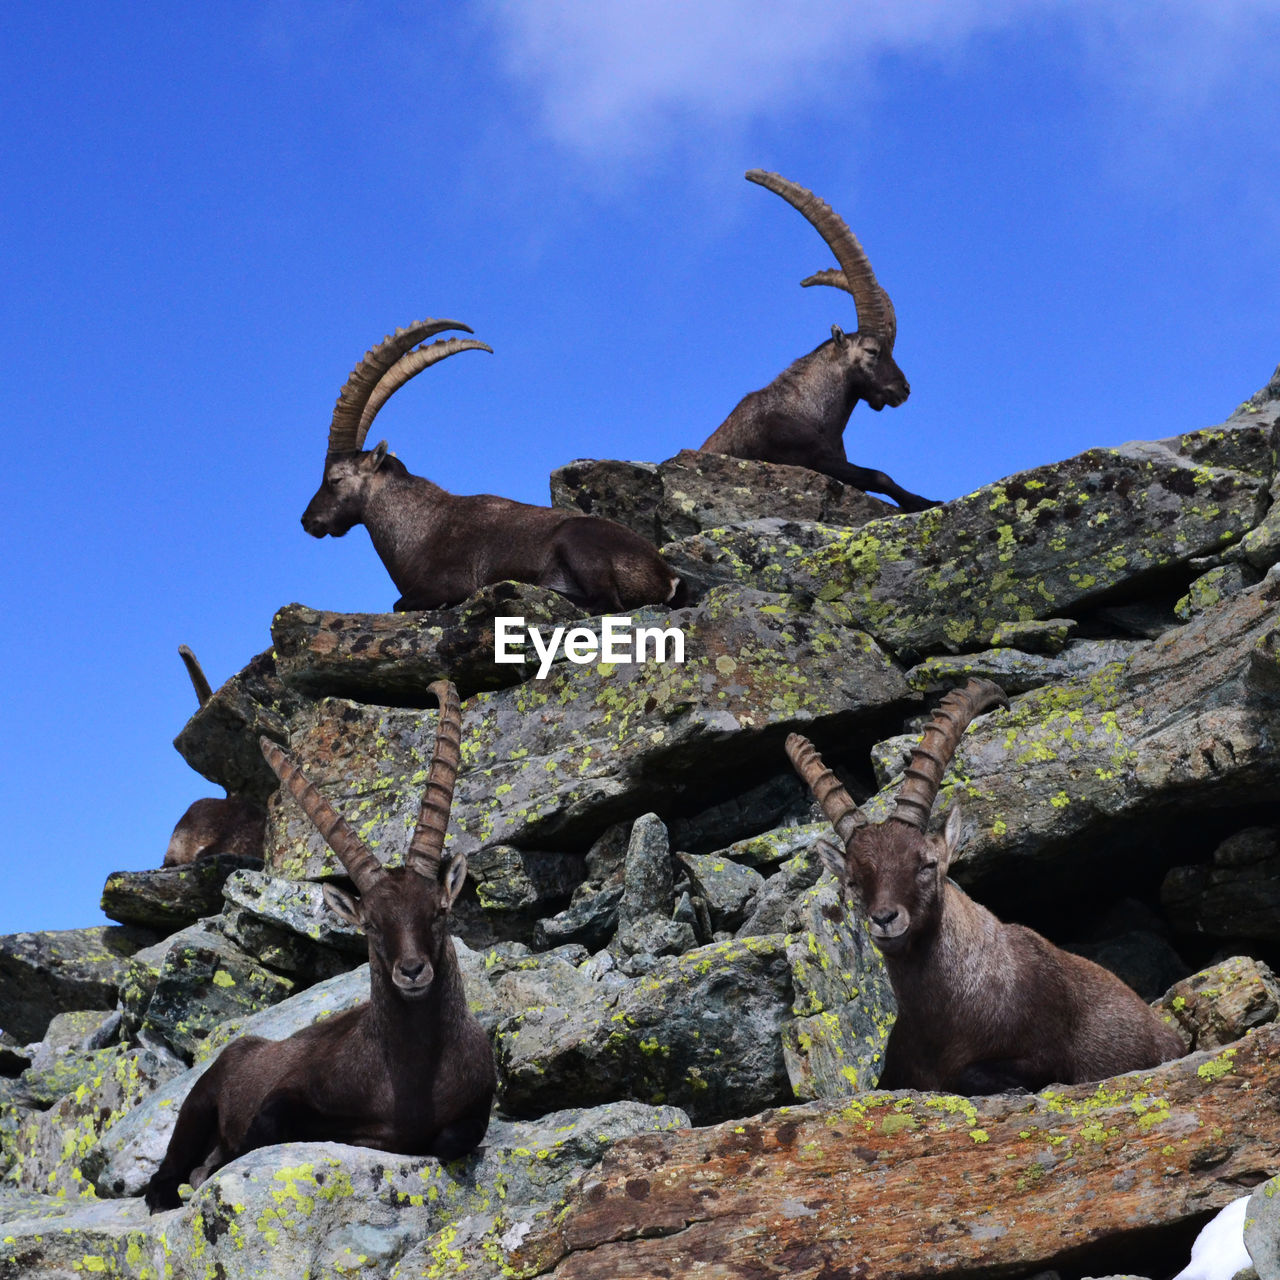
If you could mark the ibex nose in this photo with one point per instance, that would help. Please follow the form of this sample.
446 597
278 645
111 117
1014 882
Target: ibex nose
883 919
411 970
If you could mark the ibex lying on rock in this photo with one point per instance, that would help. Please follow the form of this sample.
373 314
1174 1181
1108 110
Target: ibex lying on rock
411 1070
800 417
982 1006
438 547
233 824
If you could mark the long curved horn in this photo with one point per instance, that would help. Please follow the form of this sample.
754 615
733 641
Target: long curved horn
409 366
199 682
874 316
427 845
828 790
363 868
941 737
345 424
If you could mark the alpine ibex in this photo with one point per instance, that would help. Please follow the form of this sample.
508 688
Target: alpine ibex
409 1071
982 1006
800 417
232 824
439 547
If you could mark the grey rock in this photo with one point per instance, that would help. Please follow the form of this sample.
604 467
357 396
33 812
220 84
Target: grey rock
178 991
1212 587
1017 672
43 974
286 909
655 935
509 880
57 1150
1237 896
221 740
844 1008
325 1209
591 919
576 752
393 657
700 1031
1143 959
1262 1228
648 884
172 897
1039 544
1048 635
695 491
727 887
770 907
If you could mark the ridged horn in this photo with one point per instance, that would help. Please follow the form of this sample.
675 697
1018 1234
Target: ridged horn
363 868
828 790
344 427
875 312
837 281
409 366
199 682
941 737
427 845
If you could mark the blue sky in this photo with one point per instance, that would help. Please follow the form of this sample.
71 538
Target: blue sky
1073 205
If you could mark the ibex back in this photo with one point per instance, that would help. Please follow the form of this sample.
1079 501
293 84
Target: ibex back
438 547
411 1070
800 417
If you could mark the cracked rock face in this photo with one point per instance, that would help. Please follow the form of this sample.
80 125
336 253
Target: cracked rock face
646 933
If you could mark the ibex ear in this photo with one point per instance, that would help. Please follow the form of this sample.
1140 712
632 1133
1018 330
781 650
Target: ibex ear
452 878
833 860
950 841
375 457
839 335
343 904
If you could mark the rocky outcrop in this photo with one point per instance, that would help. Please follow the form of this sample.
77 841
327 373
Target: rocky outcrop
646 933
982 1187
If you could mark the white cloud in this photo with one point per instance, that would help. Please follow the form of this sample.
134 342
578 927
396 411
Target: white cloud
610 78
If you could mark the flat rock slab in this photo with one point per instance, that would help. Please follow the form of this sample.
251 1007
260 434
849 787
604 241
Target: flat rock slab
323 1209
565 757
393 657
172 897
910 1185
43 974
1187 723
695 491
1035 546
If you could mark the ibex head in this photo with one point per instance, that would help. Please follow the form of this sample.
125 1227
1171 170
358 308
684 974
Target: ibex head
349 470
403 911
868 353
897 867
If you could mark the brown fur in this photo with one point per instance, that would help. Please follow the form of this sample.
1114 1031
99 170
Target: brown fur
210 826
985 1006
409 1071
439 548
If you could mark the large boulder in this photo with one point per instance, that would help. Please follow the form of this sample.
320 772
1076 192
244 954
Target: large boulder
561 759
43 974
1041 544
989 1187
695 491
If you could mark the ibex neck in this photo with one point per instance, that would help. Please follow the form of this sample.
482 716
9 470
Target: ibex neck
398 514
416 1027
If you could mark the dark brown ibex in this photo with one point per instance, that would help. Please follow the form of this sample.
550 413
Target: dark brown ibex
233 824
439 547
800 417
982 1006
409 1071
